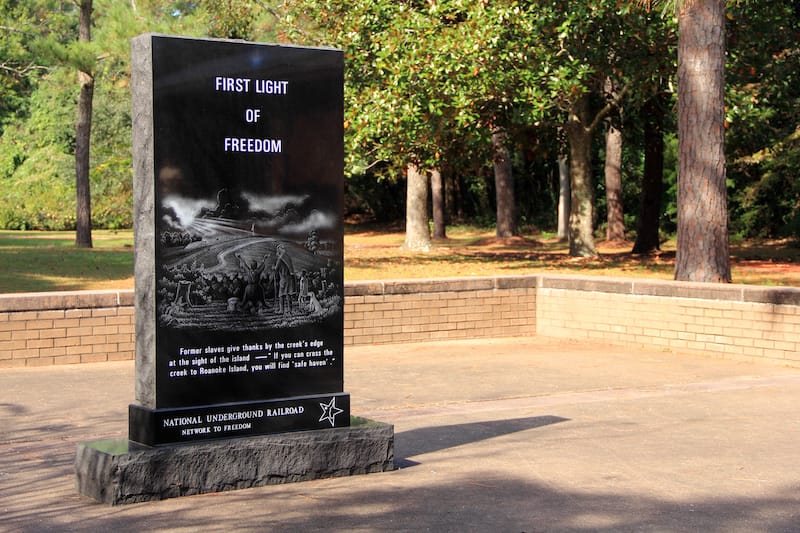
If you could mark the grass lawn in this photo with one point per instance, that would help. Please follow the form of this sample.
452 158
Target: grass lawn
38 261
48 261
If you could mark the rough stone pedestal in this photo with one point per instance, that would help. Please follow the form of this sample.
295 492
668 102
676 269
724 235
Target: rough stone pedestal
118 472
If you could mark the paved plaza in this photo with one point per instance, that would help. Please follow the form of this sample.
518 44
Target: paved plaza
504 435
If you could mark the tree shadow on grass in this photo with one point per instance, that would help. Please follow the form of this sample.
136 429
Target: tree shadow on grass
514 261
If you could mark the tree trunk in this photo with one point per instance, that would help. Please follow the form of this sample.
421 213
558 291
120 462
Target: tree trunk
647 238
504 185
452 196
418 236
615 228
83 128
703 253
581 216
438 201
563 198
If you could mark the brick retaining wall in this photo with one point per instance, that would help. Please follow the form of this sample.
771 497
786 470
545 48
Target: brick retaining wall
723 320
736 321
49 328
439 309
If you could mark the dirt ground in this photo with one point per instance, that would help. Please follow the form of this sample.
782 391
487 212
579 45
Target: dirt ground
377 254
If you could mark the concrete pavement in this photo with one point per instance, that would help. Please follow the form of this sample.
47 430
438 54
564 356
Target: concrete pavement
518 435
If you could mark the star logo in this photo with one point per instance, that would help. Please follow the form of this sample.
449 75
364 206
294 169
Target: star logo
329 411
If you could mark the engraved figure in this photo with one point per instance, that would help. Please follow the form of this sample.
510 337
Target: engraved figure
302 298
253 295
284 280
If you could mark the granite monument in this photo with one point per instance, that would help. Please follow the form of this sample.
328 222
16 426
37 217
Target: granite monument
238 199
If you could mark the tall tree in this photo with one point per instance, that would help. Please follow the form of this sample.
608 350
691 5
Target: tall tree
537 63
576 51
438 204
703 249
647 231
401 86
418 233
649 115
563 198
44 146
83 128
504 185
580 130
612 170
615 221
703 245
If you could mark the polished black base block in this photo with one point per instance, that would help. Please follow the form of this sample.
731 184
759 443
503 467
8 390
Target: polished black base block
120 472
157 427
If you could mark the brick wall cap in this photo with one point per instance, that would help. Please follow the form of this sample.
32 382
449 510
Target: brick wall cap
429 285
47 301
675 289
60 300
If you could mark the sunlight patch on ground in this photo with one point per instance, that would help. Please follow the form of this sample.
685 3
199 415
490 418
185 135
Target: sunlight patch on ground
65 283
43 261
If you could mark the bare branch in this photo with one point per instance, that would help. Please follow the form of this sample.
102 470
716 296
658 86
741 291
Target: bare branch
376 162
12 29
22 71
268 9
610 106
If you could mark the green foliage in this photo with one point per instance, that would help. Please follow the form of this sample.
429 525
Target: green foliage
111 175
770 205
425 82
25 26
37 114
35 203
382 201
763 113
230 19
237 19
669 219
401 98
36 168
